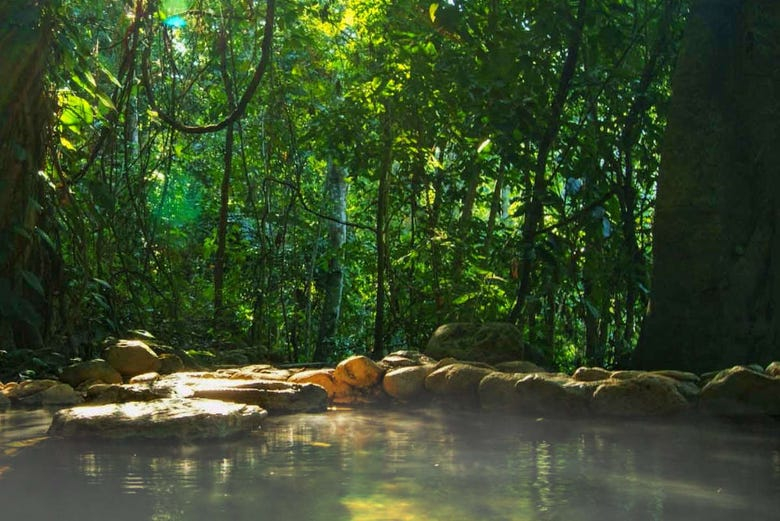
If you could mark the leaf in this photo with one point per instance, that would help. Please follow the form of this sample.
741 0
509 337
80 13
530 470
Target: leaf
32 280
484 145
464 298
432 11
102 283
67 143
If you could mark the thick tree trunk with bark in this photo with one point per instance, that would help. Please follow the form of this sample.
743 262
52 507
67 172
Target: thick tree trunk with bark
25 119
716 277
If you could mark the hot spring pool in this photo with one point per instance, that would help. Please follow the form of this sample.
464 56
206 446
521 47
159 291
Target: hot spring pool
392 465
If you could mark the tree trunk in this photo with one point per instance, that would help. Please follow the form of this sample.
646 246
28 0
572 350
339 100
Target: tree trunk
381 239
716 276
25 118
333 283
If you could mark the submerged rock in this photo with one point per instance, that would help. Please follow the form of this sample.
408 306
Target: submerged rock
491 342
639 395
176 418
741 391
96 369
131 358
405 383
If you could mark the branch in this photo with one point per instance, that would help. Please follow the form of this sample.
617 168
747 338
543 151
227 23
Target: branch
245 98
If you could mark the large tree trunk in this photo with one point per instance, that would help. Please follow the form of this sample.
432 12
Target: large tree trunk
716 276
25 118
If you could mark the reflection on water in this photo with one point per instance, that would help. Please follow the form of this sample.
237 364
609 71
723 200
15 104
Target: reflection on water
390 465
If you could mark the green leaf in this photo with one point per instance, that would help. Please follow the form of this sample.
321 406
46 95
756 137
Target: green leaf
102 283
432 11
32 280
67 143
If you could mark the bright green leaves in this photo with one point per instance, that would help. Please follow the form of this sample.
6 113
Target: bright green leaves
76 112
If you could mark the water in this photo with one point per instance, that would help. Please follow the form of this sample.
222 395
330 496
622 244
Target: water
392 465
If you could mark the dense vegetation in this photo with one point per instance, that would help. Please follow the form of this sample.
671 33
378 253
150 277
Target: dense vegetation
324 177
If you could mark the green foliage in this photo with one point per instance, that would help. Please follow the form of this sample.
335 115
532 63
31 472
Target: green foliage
456 94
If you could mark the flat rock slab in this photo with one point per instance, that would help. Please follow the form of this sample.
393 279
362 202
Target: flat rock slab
173 418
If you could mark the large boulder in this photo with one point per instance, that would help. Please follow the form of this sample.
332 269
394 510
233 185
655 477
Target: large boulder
458 382
405 383
131 357
170 363
57 394
174 418
358 371
404 358
491 342
639 395
741 391
497 391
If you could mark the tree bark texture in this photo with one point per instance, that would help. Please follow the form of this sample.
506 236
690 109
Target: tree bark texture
716 277
25 121
333 281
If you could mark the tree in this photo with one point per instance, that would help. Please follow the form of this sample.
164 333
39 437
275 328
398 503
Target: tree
26 108
715 284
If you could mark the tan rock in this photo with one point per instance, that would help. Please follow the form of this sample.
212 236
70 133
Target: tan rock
626 375
131 358
405 383
97 369
773 369
457 381
122 393
177 418
338 391
519 366
27 388
639 395
306 397
551 395
269 373
359 372
145 378
497 391
741 391
59 394
590 374
681 376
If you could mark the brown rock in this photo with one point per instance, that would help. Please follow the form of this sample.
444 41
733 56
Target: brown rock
27 388
519 366
170 363
741 391
457 381
551 395
405 383
145 378
183 419
118 393
497 391
296 398
640 395
773 369
58 394
680 376
626 375
590 374
358 371
338 391
132 357
97 369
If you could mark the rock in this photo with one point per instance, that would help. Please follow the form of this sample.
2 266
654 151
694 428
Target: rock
359 372
404 359
497 391
57 394
145 378
297 398
680 376
338 391
773 369
170 363
626 375
27 388
131 358
123 393
491 342
457 381
641 395
590 374
551 395
741 391
177 418
405 383
269 373
97 369
519 366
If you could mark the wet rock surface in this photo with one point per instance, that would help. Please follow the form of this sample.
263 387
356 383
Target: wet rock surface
172 418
